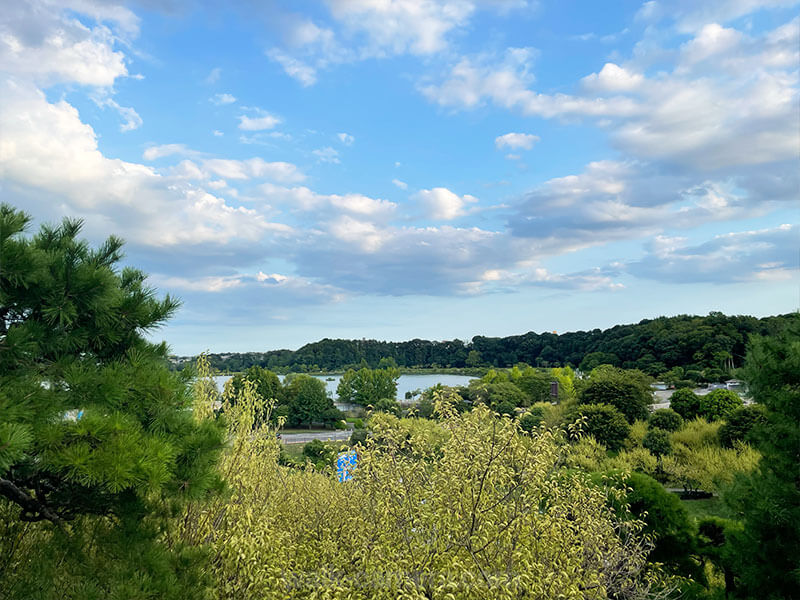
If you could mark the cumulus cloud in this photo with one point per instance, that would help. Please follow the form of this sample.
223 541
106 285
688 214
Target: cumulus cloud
759 255
327 155
346 138
294 68
504 81
516 141
49 153
690 16
45 44
253 168
326 206
162 150
442 204
262 120
613 78
220 99
401 184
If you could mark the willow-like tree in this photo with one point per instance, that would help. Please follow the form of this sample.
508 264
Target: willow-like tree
95 436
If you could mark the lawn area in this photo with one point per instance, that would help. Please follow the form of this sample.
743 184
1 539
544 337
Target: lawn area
707 507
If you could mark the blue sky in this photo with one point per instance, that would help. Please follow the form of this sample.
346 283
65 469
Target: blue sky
395 169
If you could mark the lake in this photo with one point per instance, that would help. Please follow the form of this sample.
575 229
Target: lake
406 383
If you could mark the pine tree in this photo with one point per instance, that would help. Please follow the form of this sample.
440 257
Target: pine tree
766 553
95 431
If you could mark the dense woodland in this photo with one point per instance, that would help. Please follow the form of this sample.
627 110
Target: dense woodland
706 348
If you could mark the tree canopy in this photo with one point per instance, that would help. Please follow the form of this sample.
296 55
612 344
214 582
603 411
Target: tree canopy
92 423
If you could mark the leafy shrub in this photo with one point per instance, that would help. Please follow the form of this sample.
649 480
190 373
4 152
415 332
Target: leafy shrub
628 391
657 441
666 419
718 404
605 423
685 402
319 453
741 423
359 436
636 435
697 433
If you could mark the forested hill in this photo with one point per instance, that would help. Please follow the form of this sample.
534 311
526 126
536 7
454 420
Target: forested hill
711 343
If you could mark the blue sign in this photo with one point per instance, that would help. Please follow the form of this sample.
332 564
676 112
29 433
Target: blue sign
346 464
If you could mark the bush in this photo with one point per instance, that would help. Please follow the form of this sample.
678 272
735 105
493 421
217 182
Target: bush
319 453
718 404
657 441
605 423
358 424
636 435
685 402
697 433
628 391
667 520
666 419
532 419
741 424
387 405
359 436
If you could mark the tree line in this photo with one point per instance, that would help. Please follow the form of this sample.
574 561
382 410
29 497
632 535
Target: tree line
682 348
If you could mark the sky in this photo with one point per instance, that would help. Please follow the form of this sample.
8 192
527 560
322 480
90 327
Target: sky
399 169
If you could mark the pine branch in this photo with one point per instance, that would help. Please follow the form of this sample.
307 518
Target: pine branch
34 509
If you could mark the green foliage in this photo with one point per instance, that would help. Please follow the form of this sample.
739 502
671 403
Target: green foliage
535 384
667 521
666 419
483 512
367 386
319 453
657 441
741 425
359 436
718 404
767 551
685 402
605 423
387 405
267 385
534 417
96 437
628 391
308 402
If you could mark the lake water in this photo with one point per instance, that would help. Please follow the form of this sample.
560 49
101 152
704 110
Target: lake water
406 383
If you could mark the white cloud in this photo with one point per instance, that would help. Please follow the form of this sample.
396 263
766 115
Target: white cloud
325 205
327 155
690 16
217 133
262 121
220 99
295 68
766 254
516 141
48 45
213 76
401 184
505 82
442 204
47 152
346 138
253 168
612 78
160 151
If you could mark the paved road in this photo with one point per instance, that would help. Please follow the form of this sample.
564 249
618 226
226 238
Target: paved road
326 436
